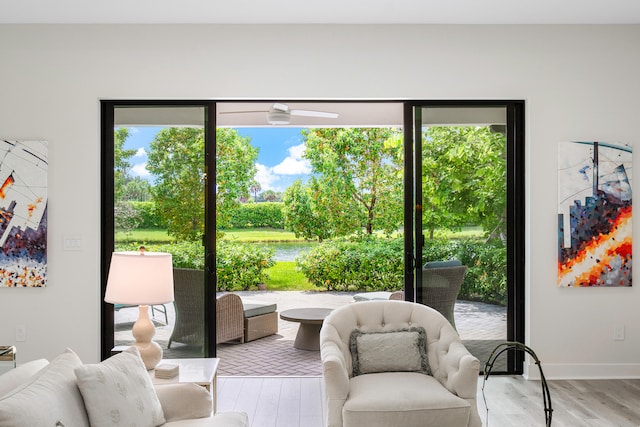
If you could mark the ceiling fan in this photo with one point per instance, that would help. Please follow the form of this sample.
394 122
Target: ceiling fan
280 114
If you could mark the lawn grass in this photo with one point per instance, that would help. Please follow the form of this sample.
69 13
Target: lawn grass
260 235
284 277
144 235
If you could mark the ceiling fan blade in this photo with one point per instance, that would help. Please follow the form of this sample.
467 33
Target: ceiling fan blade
313 113
280 107
243 112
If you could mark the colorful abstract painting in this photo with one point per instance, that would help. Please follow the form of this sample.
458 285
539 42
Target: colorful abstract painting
594 214
23 214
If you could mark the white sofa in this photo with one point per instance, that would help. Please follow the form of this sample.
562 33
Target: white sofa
395 363
118 391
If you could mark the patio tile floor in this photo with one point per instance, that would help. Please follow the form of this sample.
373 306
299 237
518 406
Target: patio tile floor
481 325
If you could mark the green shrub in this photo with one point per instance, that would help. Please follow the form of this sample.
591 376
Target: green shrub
374 264
239 266
253 215
365 264
147 212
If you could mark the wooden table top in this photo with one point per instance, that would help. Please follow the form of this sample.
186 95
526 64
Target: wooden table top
306 315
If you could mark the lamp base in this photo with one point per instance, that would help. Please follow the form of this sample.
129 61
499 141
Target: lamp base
143 331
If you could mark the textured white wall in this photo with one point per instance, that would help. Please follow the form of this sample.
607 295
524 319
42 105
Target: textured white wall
579 83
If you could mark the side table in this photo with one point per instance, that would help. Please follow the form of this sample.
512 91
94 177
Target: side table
310 319
7 358
200 371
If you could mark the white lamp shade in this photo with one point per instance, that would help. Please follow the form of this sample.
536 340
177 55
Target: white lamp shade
140 278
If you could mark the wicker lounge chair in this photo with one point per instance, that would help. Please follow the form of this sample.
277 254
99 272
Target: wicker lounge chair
235 319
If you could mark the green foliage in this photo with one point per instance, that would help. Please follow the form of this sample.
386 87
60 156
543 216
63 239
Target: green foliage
250 215
125 217
374 264
302 216
176 159
240 266
121 163
357 181
486 278
463 178
368 263
148 215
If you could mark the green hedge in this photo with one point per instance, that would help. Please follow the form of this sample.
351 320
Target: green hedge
370 264
265 214
239 266
377 264
147 212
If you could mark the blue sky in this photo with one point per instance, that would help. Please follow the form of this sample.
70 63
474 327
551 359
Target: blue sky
279 162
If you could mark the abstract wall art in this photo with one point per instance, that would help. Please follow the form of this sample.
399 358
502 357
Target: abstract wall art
594 214
23 214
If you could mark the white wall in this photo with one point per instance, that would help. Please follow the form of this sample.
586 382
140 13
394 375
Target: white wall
579 83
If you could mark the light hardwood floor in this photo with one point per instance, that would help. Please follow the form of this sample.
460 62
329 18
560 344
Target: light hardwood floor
512 401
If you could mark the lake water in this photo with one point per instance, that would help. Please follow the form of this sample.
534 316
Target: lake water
289 251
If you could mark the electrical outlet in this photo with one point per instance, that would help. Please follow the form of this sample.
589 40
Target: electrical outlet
21 333
618 333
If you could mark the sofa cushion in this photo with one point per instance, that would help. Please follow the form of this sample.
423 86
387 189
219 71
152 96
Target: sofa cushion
50 398
403 398
119 389
403 350
20 375
256 308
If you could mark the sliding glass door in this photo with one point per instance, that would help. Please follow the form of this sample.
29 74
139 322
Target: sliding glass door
154 194
467 218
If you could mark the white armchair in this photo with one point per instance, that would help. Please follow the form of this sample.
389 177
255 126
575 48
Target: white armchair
388 352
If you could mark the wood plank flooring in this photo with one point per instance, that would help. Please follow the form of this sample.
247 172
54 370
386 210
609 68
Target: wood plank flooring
512 401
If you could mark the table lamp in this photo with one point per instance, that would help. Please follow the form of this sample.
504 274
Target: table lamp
141 278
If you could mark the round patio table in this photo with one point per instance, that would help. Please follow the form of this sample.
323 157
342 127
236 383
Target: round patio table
310 319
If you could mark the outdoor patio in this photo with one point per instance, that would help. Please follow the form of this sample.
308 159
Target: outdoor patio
481 327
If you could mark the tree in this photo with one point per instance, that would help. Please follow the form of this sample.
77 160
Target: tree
121 163
254 187
176 159
358 177
463 178
271 196
301 215
137 189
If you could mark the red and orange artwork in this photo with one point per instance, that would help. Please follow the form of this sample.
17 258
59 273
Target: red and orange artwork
594 214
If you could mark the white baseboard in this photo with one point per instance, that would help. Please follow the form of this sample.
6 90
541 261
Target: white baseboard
585 371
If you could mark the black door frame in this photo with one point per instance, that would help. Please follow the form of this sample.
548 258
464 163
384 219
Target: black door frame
107 242
515 207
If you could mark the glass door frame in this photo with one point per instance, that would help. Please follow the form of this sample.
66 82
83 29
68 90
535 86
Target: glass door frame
414 239
107 242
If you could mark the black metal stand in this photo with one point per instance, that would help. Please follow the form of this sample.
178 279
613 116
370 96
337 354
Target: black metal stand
514 345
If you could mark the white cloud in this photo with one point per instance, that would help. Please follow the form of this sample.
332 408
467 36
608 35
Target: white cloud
266 177
141 152
294 164
140 170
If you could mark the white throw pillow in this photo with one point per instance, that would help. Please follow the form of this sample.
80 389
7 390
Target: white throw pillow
20 375
402 350
50 398
119 391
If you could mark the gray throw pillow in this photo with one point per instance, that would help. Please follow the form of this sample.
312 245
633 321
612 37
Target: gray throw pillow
403 350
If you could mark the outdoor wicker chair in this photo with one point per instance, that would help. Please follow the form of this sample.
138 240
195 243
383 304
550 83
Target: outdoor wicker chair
188 286
440 287
229 318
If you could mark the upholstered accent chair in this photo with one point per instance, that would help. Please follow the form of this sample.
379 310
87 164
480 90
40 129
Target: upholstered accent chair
396 363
